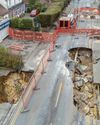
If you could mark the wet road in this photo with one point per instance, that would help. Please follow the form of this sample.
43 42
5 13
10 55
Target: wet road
52 104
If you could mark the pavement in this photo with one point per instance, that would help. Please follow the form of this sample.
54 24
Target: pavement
6 109
31 52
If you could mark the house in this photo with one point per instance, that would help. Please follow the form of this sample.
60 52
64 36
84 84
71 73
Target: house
4 22
26 4
16 8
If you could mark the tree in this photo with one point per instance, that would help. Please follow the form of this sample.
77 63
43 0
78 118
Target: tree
31 2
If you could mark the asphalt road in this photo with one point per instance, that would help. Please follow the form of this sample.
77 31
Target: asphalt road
52 103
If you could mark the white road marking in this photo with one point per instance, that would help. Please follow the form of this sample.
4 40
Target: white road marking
59 91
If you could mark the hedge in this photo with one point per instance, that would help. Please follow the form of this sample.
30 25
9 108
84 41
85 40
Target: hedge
45 19
22 23
51 14
25 24
14 23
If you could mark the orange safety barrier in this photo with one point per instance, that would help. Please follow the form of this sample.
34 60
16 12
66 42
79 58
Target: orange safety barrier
39 36
83 9
28 32
34 80
88 9
30 35
17 47
69 31
11 32
48 37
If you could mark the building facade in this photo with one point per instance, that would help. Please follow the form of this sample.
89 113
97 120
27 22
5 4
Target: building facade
16 7
4 22
9 9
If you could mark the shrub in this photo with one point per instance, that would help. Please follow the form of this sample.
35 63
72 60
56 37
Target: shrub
35 4
38 6
14 23
29 9
31 3
51 14
25 24
45 19
9 60
43 8
22 23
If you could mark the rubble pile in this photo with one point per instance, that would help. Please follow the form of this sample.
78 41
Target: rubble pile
12 86
87 16
85 91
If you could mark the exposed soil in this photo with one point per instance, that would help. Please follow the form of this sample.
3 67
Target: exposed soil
12 86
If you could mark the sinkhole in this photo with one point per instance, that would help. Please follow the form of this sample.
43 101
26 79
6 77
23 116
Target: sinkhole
86 94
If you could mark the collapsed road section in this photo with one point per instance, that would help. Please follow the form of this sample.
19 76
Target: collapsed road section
86 92
12 82
16 87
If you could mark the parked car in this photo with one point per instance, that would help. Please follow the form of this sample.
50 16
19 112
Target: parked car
34 13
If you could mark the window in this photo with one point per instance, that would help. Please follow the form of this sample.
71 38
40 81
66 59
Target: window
8 3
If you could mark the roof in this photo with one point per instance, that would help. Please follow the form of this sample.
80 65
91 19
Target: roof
96 64
3 10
